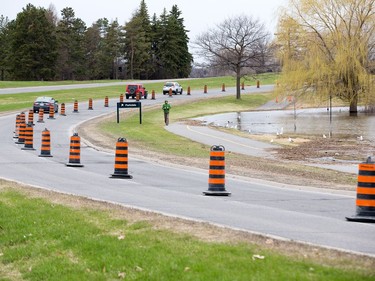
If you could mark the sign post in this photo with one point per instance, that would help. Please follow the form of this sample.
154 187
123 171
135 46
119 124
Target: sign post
136 104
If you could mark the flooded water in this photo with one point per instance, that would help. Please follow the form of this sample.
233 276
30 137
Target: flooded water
317 121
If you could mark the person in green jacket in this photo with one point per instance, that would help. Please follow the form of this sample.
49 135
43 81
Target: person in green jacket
166 107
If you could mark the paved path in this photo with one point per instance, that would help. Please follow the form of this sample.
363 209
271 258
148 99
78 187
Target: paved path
246 146
208 136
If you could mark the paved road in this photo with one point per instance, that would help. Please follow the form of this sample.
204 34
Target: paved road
290 212
37 89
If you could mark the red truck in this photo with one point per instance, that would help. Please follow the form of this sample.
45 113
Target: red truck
133 89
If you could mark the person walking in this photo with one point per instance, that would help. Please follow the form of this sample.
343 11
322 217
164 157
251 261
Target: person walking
166 107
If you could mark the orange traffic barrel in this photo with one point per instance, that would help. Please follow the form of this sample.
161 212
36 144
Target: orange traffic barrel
243 86
121 160
75 151
106 103
170 92
51 112
75 106
62 112
30 119
90 104
29 136
216 179
41 116
153 94
188 91
17 128
22 132
20 118
137 96
205 89
258 84
223 87
45 150
121 97
365 202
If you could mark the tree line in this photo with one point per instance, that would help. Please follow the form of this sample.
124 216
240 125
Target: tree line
38 45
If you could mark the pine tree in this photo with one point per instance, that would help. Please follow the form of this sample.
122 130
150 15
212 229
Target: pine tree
171 45
4 46
138 44
71 63
33 45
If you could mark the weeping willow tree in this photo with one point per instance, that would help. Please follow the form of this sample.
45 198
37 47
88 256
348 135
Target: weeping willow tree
326 48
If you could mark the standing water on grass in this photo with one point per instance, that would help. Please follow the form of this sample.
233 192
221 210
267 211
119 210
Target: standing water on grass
316 121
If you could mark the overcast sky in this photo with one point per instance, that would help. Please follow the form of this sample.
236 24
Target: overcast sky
199 15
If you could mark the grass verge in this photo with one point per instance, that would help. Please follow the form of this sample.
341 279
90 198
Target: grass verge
50 236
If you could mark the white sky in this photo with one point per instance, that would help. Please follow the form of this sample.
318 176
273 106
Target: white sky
199 15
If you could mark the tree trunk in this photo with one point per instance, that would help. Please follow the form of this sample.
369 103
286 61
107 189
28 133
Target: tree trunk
353 108
238 82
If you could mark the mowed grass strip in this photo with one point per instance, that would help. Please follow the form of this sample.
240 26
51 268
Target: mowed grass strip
230 81
12 102
42 239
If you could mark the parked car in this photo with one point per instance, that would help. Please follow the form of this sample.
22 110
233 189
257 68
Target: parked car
133 89
45 102
176 88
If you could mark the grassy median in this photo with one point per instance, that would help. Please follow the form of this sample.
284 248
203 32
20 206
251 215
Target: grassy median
11 102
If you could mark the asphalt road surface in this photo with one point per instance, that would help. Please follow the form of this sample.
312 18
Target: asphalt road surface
290 212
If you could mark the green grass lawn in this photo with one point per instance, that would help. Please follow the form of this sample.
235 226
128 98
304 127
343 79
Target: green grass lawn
42 240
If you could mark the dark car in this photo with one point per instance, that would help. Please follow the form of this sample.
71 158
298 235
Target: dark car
133 89
45 102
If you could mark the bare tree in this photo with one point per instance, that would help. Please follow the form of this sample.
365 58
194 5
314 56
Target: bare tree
236 43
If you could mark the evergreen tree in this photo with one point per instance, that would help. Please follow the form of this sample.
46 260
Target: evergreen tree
33 45
93 42
184 58
4 46
112 49
154 37
172 52
138 44
71 63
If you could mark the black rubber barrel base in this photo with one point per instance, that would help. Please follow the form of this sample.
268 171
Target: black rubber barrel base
73 165
216 193
361 219
121 176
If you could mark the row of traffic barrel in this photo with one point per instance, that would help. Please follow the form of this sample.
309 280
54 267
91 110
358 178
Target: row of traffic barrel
365 202
24 135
